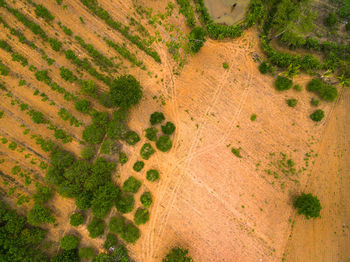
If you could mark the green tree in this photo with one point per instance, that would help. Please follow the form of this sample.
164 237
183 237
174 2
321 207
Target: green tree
168 128
331 20
69 242
76 219
93 134
130 233
141 216
125 91
196 39
178 254
83 200
292 102
152 175
151 133
131 137
146 199
164 143
88 87
125 203
138 166
317 115
283 83
61 159
156 118
123 158
117 224
308 205
265 67
96 227
43 194
147 151
103 199
83 106
88 152
131 185
87 253
39 214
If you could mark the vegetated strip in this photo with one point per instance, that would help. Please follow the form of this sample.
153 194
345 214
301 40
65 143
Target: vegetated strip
187 10
97 10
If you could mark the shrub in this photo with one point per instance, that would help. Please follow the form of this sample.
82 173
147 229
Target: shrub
131 137
105 99
297 88
147 151
61 159
130 233
315 102
38 214
96 227
265 67
117 224
83 200
292 102
87 252
151 133
37 117
67 75
152 175
164 143
123 158
69 242
236 152
93 134
308 205
76 219
146 199
88 152
326 92
331 20
103 199
125 203
83 106
196 39
88 87
317 116
168 128
111 241
156 118
225 65
187 11
43 194
41 11
125 91
55 44
138 166
253 117
131 185
109 147
4 70
283 83
141 216
178 255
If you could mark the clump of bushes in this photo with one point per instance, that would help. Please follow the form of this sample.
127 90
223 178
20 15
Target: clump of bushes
82 105
96 227
88 152
168 128
196 39
69 242
326 92
111 241
151 133
141 216
146 199
131 137
131 185
147 151
126 91
109 147
138 166
308 205
331 20
87 252
236 152
283 83
67 75
127 231
156 118
152 175
292 102
164 143
93 134
178 254
123 158
265 67
125 203
88 87
76 219
317 116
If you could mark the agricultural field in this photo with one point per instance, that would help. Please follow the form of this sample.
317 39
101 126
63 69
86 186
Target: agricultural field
134 130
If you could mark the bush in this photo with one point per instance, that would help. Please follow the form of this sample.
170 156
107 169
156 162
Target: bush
111 241
55 44
347 26
131 185
265 67
178 255
331 20
141 216
87 252
308 205
88 87
196 39
283 83
314 102
253 117
187 11
125 203
69 242
151 133
105 99
168 128
123 158
292 102
131 138
37 117
88 152
41 11
43 194
61 159
82 105
138 166
93 134
4 70
164 143
236 152
83 200
125 91
152 175
109 147
103 199
317 116
156 118
146 199
96 227
67 75
147 151
297 88
38 214
117 224
130 233
326 92
76 219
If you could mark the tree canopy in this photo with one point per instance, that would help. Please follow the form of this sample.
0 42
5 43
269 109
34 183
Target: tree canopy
308 205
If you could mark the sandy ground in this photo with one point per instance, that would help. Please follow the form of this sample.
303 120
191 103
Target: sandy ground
220 207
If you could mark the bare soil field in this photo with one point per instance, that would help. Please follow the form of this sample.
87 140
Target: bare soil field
219 206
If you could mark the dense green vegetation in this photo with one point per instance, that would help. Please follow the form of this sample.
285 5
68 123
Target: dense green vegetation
157 118
126 91
178 254
152 175
138 166
283 83
146 199
326 92
164 143
308 205
196 39
151 133
131 185
168 128
125 229
69 242
147 151
76 219
187 10
317 115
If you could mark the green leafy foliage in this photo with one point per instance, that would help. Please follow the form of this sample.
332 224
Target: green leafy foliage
331 20
152 175
141 216
117 224
151 133
87 253
55 44
96 227
83 200
314 102
123 158
168 128
283 83
83 106
42 11
61 159
76 219
93 134
105 99
103 200
187 11
292 102
236 152
265 67
39 214
125 203
131 137
69 242
146 199
308 205
43 194
65 256
326 92
37 117
131 185
147 151
157 118
253 117
4 70
297 88
138 166
317 115
111 241
88 87
196 39
67 75
126 91
178 254
164 143
109 147
88 152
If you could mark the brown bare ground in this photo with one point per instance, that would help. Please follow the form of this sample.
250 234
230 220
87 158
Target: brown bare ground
220 207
